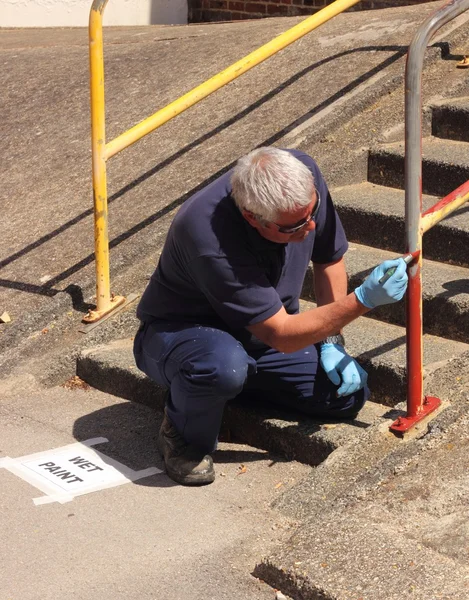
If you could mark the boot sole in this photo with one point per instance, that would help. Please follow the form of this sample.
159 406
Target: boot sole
189 480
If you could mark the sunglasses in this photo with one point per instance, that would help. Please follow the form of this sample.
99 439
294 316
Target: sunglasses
294 228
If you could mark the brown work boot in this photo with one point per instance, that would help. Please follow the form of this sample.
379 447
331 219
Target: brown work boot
184 463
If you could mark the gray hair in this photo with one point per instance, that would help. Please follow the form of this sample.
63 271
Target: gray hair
268 181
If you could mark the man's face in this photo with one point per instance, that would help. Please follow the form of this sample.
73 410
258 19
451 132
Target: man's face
302 220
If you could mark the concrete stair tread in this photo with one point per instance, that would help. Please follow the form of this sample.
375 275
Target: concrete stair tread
435 150
450 119
445 165
375 215
377 199
445 292
380 348
459 103
456 103
448 281
111 368
381 343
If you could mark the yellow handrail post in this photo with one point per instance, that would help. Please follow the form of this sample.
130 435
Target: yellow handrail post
105 302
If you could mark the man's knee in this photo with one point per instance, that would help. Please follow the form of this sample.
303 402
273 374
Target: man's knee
223 368
329 406
347 407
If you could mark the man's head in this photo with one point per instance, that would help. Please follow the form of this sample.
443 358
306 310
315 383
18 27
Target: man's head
275 193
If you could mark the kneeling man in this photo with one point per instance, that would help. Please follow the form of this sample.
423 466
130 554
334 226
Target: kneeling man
220 316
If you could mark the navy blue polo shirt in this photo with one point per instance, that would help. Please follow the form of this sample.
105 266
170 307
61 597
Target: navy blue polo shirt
217 270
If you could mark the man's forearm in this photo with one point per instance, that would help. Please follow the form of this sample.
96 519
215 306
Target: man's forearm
330 282
289 333
312 326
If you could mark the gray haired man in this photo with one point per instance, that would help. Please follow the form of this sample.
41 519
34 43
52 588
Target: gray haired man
220 317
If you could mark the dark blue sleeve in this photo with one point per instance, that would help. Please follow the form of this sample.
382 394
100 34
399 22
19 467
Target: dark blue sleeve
330 243
236 288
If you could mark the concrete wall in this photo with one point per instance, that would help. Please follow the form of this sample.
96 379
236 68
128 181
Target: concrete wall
75 13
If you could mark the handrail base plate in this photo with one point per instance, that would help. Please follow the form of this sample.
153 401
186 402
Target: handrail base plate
404 424
97 315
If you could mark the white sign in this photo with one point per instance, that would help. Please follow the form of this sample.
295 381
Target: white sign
70 471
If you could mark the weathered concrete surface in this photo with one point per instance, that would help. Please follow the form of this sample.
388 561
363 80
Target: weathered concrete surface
111 368
374 215
384 518
332 95
47 270
149 539
445 292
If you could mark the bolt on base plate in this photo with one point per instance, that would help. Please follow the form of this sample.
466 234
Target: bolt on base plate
96 315
403 424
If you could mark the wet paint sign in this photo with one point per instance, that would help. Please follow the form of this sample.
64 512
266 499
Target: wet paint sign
73 470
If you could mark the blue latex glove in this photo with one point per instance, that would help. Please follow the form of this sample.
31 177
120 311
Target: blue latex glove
371 293
342 369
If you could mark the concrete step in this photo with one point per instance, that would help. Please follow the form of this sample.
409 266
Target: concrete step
392 504
445 165
445 293
450 119
375 559
369 556
375 215
111 368
381 349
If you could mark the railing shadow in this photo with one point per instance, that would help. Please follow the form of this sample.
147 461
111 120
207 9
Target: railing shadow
48 288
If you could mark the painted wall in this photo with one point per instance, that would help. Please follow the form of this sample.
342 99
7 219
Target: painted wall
75 13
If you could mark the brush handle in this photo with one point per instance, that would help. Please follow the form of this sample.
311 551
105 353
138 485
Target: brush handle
390 272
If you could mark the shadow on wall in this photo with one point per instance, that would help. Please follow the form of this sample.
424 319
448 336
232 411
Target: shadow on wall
168 12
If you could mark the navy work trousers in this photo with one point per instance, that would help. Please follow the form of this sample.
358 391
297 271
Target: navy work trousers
205 367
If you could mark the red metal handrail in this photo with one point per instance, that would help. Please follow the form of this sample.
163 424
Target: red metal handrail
418 405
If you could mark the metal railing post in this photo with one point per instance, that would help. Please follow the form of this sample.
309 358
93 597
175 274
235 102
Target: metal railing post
105 302
418 406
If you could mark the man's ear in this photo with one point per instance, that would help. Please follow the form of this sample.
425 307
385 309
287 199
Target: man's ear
250 218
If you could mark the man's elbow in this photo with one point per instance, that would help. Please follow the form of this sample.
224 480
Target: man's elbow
283 344
274 332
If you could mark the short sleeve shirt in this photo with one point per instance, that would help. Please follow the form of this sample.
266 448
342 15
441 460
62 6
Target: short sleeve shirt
217 270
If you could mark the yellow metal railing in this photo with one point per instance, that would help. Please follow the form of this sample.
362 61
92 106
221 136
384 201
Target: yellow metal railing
105 301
